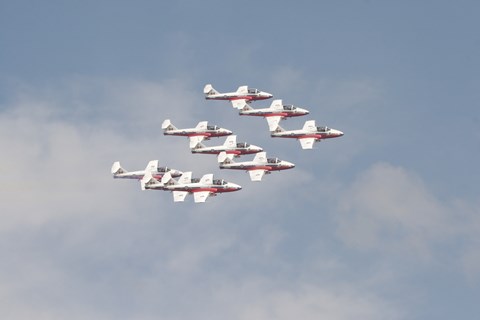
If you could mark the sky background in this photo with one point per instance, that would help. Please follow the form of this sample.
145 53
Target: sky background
382 223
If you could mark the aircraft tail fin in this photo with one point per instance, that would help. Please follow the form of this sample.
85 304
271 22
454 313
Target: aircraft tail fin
273 122
246 106
195 140
199 145
208 90
148 180
167 125
223 157
168 179
279 129
117 168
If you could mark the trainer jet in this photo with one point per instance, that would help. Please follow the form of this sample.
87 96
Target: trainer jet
308 135
200 188
231 146
276 112
201 132
157 171
238 98
259 166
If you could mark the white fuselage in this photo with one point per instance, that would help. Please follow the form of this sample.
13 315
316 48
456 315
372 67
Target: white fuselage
195 186
141 173
240 149
192 132
271 165
269 112
260 95
321 134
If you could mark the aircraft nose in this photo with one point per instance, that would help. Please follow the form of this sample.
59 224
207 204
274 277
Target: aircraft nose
268 95
236 186
256 148
289 164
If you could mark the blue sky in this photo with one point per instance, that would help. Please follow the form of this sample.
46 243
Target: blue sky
382 223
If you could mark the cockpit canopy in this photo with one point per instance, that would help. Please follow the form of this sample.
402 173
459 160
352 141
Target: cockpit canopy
323 129
243 145
195 180
219 182
213 127
253 91
273 160
163 169
289 107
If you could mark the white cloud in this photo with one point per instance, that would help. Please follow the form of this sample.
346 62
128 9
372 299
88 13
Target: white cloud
390 210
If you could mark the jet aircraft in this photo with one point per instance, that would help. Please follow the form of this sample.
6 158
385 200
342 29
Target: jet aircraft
230 146
309 134
238 98
157 171
276 112
198 134
259 166
200 188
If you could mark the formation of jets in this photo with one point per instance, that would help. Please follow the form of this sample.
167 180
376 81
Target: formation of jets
155 177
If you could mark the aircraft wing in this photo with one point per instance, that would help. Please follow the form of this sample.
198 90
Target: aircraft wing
201 196
239 103
179 196
256 175
307 143
273 122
